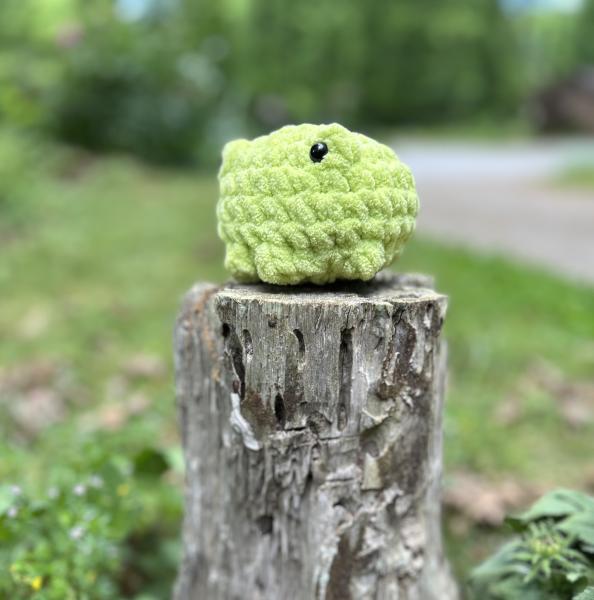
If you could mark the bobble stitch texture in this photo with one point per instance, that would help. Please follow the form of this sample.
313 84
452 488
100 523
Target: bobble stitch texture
286 219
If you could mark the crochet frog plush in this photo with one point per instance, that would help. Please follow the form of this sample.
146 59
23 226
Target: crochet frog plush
313 203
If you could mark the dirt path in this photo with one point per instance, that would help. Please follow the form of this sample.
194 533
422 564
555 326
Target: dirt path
501 199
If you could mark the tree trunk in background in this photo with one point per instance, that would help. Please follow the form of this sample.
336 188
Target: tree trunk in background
312 426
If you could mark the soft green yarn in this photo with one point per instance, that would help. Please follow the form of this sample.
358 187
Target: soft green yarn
287 220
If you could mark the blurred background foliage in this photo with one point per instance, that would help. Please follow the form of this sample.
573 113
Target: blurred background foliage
170 80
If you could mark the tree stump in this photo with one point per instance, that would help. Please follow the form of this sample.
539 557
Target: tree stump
312 426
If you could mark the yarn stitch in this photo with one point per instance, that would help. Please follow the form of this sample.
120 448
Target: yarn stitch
287 219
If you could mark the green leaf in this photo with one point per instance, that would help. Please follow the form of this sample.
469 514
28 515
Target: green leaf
580 527
556 504
150 462
587 594
575 576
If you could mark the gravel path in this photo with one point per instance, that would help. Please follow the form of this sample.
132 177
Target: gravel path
500 198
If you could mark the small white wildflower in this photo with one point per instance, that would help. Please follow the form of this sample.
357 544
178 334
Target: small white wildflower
96 481
76 532
16 490
12 512
79 489
52 493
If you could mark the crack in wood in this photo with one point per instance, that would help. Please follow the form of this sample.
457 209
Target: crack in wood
345 367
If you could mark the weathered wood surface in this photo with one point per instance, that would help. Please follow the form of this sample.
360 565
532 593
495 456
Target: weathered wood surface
311 422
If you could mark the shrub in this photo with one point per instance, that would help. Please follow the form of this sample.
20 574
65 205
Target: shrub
135 88
552 558
75 541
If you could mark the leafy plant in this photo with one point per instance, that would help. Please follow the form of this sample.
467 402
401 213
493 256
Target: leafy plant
74 541
587 594
551 559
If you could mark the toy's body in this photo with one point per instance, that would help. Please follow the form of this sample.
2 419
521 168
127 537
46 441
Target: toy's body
313 203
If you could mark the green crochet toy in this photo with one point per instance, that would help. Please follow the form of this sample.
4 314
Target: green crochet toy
313 203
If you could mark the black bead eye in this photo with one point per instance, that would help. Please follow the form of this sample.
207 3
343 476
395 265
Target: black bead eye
318 151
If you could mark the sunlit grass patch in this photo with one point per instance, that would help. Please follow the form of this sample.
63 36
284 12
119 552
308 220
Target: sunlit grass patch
579 174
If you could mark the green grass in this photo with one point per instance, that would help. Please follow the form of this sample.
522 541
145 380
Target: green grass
110 249
577 175
502 320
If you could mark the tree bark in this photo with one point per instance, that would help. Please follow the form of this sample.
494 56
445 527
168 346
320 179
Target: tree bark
312 424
